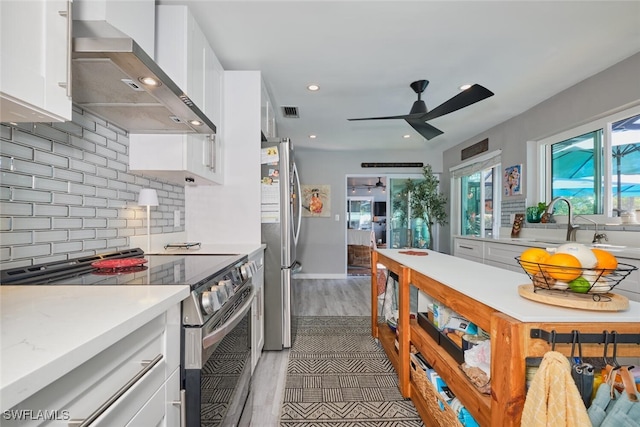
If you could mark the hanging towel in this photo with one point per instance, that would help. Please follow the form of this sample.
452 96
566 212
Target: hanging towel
553 400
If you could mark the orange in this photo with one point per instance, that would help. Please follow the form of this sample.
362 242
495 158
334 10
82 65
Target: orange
606 261
563 267
530 258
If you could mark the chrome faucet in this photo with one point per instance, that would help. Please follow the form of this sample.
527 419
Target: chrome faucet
571 226
597 237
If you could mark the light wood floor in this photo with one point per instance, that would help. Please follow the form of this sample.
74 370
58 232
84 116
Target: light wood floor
311 297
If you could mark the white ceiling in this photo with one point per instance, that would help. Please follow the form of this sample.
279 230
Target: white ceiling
364 55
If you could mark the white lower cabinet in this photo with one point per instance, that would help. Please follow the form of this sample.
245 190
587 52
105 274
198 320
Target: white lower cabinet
257 309
502 255
179 159
470 249
126 384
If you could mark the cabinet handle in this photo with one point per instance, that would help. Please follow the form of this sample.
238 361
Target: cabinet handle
182 403
68 14
212 151
466 247
110 401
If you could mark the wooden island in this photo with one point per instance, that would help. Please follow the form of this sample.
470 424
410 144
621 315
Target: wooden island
519 328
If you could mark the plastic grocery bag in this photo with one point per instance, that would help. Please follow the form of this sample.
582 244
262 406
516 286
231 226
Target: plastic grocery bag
480 356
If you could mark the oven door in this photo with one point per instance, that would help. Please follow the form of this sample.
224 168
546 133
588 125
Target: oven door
217 374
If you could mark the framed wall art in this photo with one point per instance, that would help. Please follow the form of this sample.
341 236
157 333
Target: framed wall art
512 180
316 200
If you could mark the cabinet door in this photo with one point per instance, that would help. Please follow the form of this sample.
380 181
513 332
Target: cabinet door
267 112
34 61
257 332
469 249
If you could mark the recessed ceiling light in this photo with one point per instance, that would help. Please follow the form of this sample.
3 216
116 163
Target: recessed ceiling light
313 87
406 136
465 87
312 136
149 81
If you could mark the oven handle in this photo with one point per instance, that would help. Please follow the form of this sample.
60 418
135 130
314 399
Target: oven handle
217 335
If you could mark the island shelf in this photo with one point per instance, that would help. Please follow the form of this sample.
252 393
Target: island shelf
512 340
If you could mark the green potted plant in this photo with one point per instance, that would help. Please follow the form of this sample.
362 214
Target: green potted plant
426 202
534 213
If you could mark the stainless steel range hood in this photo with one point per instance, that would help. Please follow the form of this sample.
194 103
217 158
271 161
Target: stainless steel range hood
107 80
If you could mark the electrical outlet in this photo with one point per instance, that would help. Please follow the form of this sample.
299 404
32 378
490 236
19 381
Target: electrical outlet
176 218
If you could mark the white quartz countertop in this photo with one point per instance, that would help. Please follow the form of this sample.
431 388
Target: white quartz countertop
47 331
624 251
498 289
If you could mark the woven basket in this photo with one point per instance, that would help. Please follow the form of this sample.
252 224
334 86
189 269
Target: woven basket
443 416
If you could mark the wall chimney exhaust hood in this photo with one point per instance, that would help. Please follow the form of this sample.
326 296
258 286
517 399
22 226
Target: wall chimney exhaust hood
109 75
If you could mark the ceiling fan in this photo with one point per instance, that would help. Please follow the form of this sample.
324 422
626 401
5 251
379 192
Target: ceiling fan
378 184
419 114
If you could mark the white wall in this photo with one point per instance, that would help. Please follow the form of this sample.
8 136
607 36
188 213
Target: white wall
322 248
230 213
611 90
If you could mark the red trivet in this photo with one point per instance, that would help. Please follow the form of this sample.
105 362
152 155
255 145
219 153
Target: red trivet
118 263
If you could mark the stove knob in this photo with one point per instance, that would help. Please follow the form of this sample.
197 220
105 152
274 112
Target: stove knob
228 286
210 302
245 270
223 293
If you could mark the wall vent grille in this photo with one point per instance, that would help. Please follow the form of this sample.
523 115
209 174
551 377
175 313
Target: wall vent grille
290 112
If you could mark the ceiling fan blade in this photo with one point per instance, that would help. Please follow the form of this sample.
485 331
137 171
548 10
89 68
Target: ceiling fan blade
424 129
465 98
403 116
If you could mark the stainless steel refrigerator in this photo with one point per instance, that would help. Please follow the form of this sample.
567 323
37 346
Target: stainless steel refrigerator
281 205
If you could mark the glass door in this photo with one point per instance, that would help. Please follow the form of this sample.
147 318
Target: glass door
404 230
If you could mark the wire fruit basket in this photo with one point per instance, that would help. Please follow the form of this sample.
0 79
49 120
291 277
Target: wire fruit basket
594 281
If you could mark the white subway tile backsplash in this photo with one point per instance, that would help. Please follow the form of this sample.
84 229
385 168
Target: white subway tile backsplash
67 191
49 184
31 168
94 223
51 211
95 201
82 234
15 150
82 212
45 130
67 175
105 131
30 251
30 223
18 238
69 127
32 140
22 209
96 159
16 180
68 223
67 199
66 247
50 236
24 195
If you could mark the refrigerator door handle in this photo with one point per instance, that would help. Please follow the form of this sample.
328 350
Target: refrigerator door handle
296 233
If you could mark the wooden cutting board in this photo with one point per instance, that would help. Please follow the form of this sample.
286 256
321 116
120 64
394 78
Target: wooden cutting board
608 301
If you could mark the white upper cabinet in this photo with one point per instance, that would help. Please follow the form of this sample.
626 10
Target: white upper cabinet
267 114
35 57
135 18
180 159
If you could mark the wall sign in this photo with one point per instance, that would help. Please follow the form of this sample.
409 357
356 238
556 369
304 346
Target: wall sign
475 149
393 165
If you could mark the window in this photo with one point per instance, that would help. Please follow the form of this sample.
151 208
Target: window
475 196
597 170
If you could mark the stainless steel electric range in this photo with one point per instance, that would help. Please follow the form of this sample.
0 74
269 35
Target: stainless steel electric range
216 319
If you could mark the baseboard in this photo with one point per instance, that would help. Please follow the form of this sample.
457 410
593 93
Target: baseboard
319 276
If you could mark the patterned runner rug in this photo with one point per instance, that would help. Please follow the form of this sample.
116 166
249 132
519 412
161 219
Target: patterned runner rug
339 376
